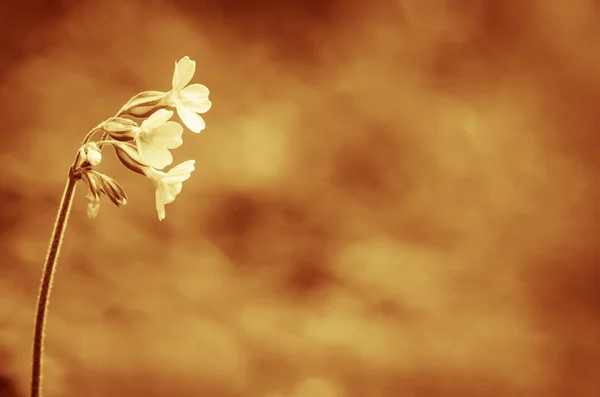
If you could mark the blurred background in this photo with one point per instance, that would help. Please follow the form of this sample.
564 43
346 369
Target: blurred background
391 198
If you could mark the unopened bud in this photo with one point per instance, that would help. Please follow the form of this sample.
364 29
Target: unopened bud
93 195
102 184
93 206
89 153
94 157
112 189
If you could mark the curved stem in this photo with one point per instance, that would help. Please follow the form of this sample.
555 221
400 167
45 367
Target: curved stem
46 285
98 128
91 134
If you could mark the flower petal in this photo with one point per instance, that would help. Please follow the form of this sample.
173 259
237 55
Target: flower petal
167 135
160 204
173 179
184 71
182 168
176 79
156 156
156 119
174 190
198 105
195 97
155 176
93 206
179 173
192 120
195 91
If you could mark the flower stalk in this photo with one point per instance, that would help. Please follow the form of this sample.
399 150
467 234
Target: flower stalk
47 282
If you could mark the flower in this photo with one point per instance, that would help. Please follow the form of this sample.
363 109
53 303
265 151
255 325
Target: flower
156 136
168 184
191 100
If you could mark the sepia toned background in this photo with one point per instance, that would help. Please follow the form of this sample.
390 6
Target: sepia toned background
391 198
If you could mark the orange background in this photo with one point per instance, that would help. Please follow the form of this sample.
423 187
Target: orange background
391 198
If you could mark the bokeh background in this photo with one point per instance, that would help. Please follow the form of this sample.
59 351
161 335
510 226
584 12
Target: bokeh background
391 198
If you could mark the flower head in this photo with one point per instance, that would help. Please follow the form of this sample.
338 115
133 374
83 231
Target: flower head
189 101
156 136
168 184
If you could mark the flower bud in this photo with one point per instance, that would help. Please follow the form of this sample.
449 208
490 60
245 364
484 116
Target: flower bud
94 194
120 128
94 157
129 156
112 189
143 104
99 183
89 154
93 206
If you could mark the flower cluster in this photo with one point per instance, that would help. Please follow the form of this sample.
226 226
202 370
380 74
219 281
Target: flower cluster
145 148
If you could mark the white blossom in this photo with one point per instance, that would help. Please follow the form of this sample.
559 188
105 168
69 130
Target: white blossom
168 184
190 101
156 136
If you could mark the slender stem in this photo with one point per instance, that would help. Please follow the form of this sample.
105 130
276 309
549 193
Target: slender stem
46 285
91 134
98 128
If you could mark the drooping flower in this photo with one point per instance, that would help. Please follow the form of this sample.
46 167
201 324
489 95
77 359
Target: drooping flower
168 184
190 101
156 136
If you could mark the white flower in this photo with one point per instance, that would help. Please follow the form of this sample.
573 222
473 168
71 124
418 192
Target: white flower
168 184
190 100
156 136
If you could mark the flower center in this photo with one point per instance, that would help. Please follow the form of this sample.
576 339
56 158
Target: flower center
173 97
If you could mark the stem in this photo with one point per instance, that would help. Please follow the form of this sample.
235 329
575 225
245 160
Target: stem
98 128
91 134
46 284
